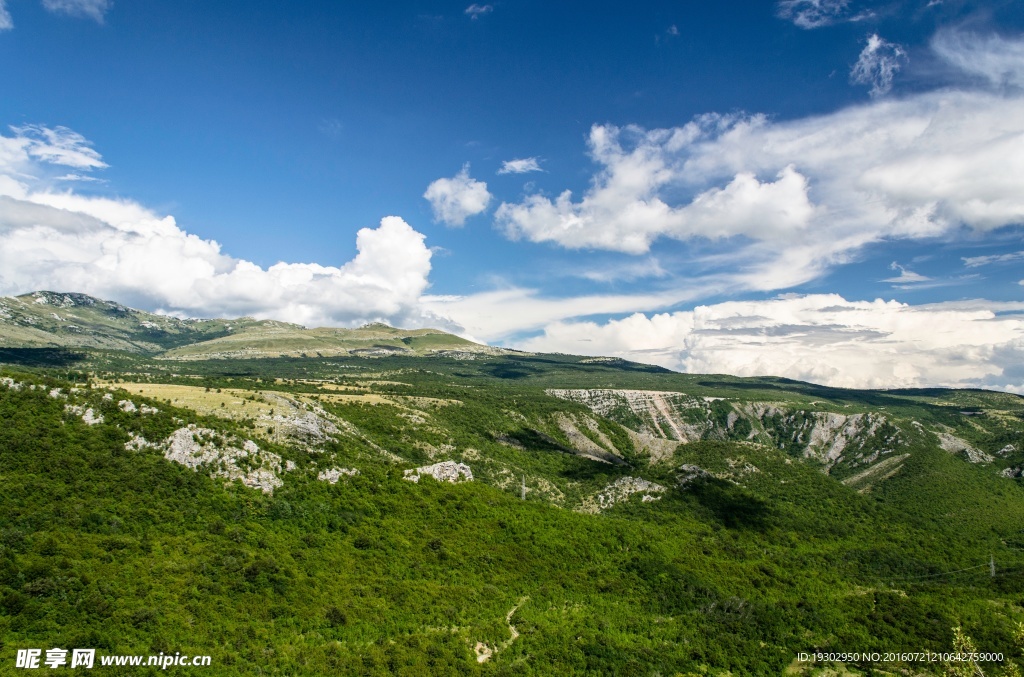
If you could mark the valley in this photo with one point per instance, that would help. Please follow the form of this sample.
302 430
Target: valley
375 500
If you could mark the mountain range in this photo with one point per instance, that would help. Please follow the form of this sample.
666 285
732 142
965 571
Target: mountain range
385 501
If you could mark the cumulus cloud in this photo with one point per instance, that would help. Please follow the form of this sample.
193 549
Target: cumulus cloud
624 211
789 199
119 249
520 166
90 9
475 11
456 199
6 23
810 14
819 338
878 63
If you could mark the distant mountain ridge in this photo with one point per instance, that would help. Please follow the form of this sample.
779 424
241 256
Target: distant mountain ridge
47 319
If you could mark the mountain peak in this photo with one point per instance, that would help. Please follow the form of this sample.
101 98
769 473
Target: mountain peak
60 299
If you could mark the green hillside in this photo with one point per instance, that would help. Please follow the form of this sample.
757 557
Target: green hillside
67 320
228 496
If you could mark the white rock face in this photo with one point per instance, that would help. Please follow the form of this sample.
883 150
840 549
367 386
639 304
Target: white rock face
138 443
674 416
311 425
8 382
127 406
584 446
89 417
620 490
1007 450
332 475
659 410
955 445
445 471
197 448
825 435
689 473
55 393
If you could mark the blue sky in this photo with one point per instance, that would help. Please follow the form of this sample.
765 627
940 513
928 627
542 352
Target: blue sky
700 185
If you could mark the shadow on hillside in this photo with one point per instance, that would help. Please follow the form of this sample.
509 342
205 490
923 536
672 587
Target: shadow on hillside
585 470
40 357
507 369
864 397
734 506
534 440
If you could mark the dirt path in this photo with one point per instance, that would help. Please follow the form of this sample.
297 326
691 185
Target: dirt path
511 628
484 652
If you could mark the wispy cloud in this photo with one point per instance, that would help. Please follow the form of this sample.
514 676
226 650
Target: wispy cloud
331 127
810 14
476 11
976 261
905 276
90 9
997 59
500 313
672 30
82 178
58 146
878 63
624 272
6 22
456 199
520 166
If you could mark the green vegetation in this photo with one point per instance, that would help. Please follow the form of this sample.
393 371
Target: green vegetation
758 518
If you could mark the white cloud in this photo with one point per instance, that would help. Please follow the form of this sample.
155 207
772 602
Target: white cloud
6 22
820 338
810 14
91 9
789 199
331 127
905 276
624 210
975 261
118 249
493 315
79 177
994 58
458 198
628 271
57 146
520 166
475 11
878 63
